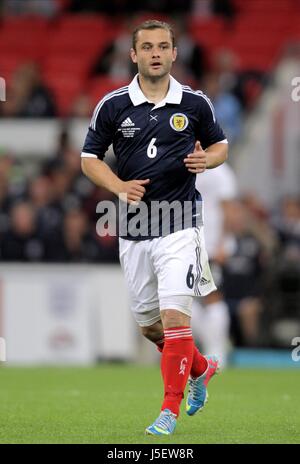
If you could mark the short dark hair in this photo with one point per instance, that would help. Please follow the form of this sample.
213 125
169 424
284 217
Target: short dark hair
151 25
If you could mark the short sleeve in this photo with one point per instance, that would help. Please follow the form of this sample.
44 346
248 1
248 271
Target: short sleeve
209 131
100 133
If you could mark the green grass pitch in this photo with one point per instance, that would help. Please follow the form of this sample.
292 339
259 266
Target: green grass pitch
114 403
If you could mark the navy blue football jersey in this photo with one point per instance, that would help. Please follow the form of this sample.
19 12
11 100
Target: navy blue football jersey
151 141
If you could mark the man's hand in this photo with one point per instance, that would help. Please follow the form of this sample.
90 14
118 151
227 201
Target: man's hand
133 189
196 162
101 174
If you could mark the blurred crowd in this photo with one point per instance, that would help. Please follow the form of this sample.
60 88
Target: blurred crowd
51 216
261 265
27 95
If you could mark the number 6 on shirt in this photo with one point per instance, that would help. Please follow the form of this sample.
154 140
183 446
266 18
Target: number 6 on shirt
152 149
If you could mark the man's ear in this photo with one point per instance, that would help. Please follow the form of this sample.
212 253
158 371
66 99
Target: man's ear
133 55
174 54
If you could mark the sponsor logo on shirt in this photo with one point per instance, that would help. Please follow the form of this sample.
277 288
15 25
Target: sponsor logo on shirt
127 123
204 281
128 128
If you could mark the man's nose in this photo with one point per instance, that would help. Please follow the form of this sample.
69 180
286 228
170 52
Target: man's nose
155 52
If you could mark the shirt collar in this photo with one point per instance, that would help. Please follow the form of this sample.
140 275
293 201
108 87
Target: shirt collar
137 97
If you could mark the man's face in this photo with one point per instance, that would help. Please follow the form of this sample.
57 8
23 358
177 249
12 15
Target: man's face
154 53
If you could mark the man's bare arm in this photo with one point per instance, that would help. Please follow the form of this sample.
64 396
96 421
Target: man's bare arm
212 157
102 176
216 155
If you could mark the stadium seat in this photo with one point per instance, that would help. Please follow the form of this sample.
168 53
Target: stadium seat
294 32
206 27
210 33
252 61
9 63
65 88
84 22
261 24
24 24
31 44
141 17
64 101
94 26
77 44
72 64
261 6
100 86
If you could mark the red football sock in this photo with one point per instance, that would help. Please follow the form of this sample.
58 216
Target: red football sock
176 363
199 364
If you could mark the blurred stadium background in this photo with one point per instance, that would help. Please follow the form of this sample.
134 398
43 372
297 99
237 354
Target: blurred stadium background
62 295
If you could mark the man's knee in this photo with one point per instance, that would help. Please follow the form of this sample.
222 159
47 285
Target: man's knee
180 315
174 318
